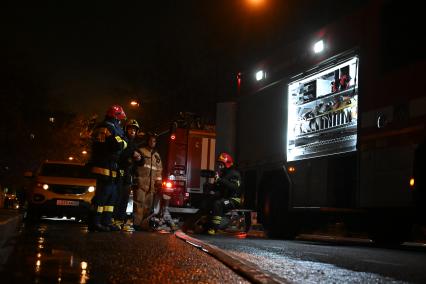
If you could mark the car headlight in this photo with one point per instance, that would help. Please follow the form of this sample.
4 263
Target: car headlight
91 189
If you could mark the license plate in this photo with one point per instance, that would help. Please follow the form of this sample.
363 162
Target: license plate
66 203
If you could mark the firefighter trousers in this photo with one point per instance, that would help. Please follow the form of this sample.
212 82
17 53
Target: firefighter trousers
120 210
104 200
142 205
220 207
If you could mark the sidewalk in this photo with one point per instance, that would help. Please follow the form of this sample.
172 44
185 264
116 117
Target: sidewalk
10 222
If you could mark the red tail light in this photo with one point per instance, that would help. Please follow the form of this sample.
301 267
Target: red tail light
168 185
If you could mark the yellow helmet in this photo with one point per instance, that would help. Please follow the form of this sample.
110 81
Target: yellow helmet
132 122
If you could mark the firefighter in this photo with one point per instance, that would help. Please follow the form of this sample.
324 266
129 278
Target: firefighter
147 182
108 141
227 181
127 164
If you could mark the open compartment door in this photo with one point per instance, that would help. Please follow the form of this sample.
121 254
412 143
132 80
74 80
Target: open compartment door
323 112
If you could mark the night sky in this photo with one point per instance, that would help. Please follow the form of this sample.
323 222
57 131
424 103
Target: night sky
170 55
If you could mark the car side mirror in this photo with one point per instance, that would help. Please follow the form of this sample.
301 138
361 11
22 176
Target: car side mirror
207 173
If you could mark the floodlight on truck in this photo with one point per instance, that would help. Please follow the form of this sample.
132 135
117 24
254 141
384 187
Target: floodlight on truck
319 46
260 75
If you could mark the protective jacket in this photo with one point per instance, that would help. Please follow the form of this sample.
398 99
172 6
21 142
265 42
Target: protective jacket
150 173
229 183
108 142
126 162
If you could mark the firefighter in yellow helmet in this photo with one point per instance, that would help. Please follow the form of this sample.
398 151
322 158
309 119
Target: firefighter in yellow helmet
127 162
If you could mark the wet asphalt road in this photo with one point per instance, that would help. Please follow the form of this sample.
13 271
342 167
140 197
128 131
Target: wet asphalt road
319 262
65 252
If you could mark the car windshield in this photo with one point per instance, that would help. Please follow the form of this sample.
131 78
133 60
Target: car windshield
64 170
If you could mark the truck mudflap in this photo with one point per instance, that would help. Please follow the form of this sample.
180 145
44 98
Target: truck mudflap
183 210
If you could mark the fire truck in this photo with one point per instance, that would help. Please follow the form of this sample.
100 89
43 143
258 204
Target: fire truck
189 147
327 127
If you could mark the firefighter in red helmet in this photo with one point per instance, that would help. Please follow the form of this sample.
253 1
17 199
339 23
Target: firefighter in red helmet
108 141
228 181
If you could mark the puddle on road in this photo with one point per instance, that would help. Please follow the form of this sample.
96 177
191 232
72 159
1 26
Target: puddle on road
53 264
59 266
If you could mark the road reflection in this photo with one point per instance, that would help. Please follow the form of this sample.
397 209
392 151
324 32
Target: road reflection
56 265
63 251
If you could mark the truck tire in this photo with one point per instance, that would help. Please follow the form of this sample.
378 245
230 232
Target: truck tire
390 230
274 201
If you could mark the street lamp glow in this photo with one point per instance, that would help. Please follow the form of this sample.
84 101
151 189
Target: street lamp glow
83 265
84 152
412 182
134 103
319 46
70 158
255 2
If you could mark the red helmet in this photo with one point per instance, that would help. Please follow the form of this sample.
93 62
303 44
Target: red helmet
116 112
226 159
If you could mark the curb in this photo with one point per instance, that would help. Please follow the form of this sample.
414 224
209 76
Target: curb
244 268
6 221
333 239
9 228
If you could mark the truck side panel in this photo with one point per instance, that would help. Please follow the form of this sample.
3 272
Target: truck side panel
261 147
176 153
201 148
261 127
325 182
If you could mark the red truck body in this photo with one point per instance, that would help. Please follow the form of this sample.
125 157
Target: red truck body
188 152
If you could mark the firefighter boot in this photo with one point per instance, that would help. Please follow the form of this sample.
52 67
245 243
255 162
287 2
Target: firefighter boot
127 226
95 224
117 223
98 228
215 223
107 221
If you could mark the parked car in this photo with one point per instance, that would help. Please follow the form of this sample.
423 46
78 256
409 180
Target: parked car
10 201
60 189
